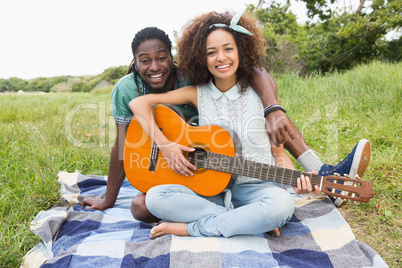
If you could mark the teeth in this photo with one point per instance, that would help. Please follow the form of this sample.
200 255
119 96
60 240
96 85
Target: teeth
223 66
156 76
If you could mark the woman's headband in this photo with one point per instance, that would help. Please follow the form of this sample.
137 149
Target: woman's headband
233 24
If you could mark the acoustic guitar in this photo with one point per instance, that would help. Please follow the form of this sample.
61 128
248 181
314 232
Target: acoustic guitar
217 159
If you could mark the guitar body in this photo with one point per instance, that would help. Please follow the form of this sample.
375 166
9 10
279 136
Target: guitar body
146 167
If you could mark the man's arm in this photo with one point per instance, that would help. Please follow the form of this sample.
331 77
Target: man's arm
116 174
277 123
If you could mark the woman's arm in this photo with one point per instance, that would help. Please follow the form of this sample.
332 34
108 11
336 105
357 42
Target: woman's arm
281 158
142 109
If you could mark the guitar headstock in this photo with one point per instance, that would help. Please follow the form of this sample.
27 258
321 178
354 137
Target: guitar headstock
353 189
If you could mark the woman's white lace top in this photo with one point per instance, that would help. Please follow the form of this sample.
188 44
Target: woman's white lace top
241 112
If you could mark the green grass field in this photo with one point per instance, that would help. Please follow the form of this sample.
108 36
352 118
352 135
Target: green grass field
42 134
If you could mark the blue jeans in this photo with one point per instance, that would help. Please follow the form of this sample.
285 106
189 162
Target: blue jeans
258 208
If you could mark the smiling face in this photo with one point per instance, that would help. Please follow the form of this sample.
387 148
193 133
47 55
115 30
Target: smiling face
222 58
153 62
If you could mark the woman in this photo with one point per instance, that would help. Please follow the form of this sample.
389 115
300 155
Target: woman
223 47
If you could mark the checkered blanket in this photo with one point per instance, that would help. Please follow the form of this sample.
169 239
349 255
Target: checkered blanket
316 236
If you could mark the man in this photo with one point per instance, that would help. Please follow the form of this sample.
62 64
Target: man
154 71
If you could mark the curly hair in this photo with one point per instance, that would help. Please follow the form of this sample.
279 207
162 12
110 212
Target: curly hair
191 48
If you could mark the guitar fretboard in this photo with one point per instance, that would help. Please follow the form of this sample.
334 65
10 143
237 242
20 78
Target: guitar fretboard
239 166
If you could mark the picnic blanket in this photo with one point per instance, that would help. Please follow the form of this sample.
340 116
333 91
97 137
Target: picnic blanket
316 236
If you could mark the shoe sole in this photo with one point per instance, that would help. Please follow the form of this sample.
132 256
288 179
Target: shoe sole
360 163
361 159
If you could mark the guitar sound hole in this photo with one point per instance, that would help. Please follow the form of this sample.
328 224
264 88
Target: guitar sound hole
198 157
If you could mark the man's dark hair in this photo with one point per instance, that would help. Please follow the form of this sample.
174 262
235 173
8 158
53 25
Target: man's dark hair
150 33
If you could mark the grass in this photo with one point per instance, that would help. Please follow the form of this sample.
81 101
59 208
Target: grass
40 136
44 134
334 112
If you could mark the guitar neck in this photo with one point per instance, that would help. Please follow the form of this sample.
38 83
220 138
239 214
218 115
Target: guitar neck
239 166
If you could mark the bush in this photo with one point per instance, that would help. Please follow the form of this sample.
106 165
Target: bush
60 87
114 73
392 51
284 58
81 87
44 84
283 36
104 87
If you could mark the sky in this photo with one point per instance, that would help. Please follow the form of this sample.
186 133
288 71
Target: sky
46 38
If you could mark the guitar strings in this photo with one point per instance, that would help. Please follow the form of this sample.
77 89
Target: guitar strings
288 176
264 171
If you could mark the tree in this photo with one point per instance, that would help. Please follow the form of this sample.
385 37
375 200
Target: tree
12 84
4 85
318 8
283 36
332 38
350 38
